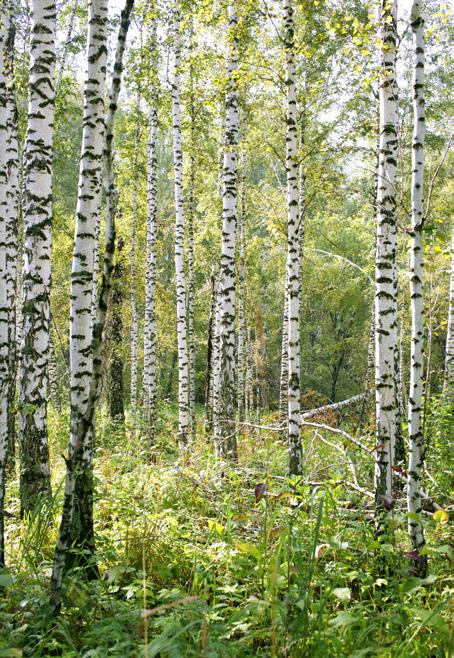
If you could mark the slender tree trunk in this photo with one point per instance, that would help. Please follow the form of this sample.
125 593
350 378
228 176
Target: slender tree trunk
283 386
242 365
36 276
224 412
52 374
385 265
182 334
12 219
132 294
449 354
293 248
115 369
8 243
415 397
191 273
149 350
210 353
76 528
67 43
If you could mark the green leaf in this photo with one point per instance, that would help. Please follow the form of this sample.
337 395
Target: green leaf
343 619
249 549
6 579
441 516
342 593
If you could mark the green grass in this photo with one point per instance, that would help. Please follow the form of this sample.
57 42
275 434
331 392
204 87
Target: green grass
193 566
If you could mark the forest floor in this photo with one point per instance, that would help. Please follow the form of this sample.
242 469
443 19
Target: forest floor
197 560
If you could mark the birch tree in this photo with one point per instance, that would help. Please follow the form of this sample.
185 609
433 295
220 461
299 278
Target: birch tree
8 243
415 397
76 527
242 365
449 352
386 347
293 247
132 269
149 349
36 274
182 334
225 408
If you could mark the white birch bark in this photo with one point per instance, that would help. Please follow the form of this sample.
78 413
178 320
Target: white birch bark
191 272
149 350
449 353
182 334
36 273
415 397
67 43
242 365
293 248
77 519
283 385
224 412
8 242
132 293
386 346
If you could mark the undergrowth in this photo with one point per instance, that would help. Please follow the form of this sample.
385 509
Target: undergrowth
198 561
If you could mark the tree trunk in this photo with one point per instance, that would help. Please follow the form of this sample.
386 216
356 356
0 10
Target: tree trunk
283 387
224 412
385 265
293 248
449 354
9 189
242 366
210 354
36 275
191 273
182 334
415 397
132 263
115 370
76 528
149 329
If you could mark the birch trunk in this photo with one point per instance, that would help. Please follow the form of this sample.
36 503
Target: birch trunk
76 528
386 347
8 244
415 397
225 434
449 355
115 369
242 365
36 274
182 334
12 215
210 354
191 274
67 43
132 294
293 248
283 386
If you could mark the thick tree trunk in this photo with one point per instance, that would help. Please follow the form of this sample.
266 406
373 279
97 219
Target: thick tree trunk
386 347
224 412
182 334
293 248
415 397
76 528
149 331
36 274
